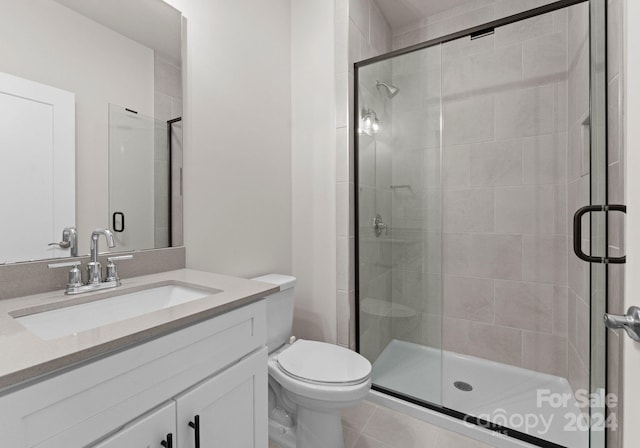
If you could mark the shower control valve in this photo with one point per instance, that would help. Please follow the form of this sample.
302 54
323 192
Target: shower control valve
379 225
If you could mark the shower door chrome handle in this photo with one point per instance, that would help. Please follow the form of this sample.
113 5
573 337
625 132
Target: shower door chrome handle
630 322
577 232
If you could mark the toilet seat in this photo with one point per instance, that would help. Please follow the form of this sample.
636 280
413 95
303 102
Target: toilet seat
323 364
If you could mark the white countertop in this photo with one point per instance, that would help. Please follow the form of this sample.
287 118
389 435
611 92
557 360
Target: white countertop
24 356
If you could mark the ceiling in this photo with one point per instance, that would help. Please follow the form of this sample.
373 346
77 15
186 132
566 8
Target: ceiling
400 13
153 23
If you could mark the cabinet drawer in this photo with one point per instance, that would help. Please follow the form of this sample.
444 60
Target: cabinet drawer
75 408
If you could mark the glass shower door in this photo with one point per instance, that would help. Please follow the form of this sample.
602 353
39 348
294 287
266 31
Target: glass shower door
472 156
399 223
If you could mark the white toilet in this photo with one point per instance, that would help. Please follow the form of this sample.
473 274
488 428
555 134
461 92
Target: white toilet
309 382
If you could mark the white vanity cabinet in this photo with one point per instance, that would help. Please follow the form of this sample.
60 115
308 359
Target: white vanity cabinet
216 369
220 412
214 414
157 429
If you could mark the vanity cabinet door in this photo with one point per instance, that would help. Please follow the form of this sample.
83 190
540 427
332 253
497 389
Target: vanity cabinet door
149 431
228 410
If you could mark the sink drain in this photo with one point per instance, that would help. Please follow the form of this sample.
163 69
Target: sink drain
461 385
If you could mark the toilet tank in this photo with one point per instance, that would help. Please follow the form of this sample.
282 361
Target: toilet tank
279 309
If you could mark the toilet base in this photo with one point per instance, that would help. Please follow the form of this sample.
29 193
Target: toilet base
314 430
283 436
319 429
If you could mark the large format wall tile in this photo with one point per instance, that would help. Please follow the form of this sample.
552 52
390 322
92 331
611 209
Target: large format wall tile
483 255
468 120
496 163
496 343
468 210
526 209
456 166
545 259
468 298
545 353
525 112
455 335
545 58
527 306
545 159
486 72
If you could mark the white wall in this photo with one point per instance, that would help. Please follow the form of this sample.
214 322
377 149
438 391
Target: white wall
237 161
314 168
53 45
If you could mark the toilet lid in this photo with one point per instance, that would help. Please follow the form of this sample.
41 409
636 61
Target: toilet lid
319 362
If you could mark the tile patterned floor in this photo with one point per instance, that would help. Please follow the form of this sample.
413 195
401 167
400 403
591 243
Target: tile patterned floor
372 426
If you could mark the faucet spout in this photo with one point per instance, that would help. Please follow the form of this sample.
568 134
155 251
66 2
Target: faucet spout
94 242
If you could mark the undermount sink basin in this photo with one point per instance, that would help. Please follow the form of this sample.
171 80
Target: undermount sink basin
113 306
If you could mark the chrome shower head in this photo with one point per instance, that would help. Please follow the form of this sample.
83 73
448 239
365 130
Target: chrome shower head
391 89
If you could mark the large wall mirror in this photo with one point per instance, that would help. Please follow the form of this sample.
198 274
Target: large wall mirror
91 118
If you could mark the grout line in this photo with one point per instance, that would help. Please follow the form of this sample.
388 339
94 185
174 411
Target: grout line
376 407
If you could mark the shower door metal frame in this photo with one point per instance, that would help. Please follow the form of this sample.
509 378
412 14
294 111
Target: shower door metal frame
478 30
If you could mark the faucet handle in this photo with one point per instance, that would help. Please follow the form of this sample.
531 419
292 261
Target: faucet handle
65 264
120 257
75 275
112 269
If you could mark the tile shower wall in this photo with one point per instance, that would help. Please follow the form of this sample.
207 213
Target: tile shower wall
504 209
361 32
510 168
504 178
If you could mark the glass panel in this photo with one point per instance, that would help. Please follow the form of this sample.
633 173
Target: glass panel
598 237
138 180
471 163
399 238
516 166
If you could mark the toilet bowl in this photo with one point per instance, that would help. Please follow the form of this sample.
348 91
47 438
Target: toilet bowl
309 382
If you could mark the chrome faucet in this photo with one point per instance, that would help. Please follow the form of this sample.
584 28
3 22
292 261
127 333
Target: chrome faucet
69 241
94 269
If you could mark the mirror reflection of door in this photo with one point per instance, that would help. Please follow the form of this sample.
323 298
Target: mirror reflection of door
37 165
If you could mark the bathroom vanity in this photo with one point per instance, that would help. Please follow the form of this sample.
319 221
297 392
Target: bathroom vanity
187 375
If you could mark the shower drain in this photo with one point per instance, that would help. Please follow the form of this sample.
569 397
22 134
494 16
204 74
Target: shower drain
465 387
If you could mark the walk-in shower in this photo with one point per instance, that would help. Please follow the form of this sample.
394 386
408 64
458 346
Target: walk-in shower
470 299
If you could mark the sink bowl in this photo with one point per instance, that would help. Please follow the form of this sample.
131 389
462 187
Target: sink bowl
72 317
